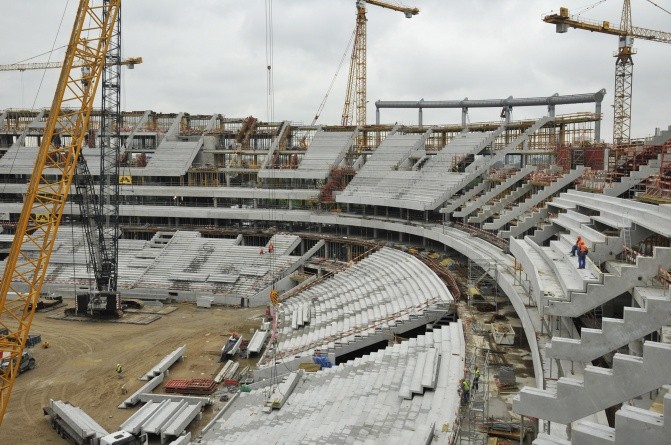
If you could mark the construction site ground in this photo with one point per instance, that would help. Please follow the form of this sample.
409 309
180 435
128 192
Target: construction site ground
477 319
79 366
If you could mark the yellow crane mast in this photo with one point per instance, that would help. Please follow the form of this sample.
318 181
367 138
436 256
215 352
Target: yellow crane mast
52 175
624 65
356 85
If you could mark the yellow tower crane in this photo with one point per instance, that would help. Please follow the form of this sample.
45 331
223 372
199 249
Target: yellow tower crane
129 62
45 198
624 65
356 85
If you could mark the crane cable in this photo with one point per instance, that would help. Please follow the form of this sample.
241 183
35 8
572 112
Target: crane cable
588 7
270 110
655 4
335 76
270 87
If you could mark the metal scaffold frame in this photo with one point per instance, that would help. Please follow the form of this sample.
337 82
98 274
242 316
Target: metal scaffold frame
474 414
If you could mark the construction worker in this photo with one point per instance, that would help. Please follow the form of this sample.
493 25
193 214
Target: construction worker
476 379
582 255
465 391
119 370
576 246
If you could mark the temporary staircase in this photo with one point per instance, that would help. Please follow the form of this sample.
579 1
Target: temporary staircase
602 388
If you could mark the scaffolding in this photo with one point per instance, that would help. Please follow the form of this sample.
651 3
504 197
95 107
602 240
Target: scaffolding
474 414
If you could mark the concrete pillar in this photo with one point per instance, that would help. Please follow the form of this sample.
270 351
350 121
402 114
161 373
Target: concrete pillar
464 117
215 201
327 251
419 117
377 115
597 124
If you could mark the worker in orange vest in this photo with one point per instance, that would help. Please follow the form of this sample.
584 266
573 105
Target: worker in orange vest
576 246
582 255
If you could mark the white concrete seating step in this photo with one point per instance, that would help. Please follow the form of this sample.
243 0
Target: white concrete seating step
575 400
632 425
615 333
544 439
656 218
354 401
544 282
355 303
626 278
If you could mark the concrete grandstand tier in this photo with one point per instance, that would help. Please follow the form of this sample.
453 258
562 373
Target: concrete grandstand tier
358 401
181 265
615 333
388 291
388 179
602 388
541 195
327 149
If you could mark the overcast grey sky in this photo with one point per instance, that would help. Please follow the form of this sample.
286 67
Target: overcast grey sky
209 56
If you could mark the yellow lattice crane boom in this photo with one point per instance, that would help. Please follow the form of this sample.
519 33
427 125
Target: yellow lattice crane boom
129 62
45 199
624 65
356 84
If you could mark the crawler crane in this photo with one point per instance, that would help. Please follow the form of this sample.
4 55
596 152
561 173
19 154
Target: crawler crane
47 194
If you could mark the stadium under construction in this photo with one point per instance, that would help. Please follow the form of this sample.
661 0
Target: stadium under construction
340 231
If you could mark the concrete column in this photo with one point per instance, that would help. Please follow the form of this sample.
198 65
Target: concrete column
597 124
327 251
377 115
464 117
419 117
215 201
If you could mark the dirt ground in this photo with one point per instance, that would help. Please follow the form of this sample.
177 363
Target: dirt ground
79 365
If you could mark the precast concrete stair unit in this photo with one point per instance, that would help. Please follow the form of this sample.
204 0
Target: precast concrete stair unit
634 178
632 426
602 388
540 196
623 278
501 204
477 203
615 333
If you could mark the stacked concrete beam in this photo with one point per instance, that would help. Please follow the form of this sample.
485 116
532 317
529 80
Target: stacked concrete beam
165 364
602 388
134 399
